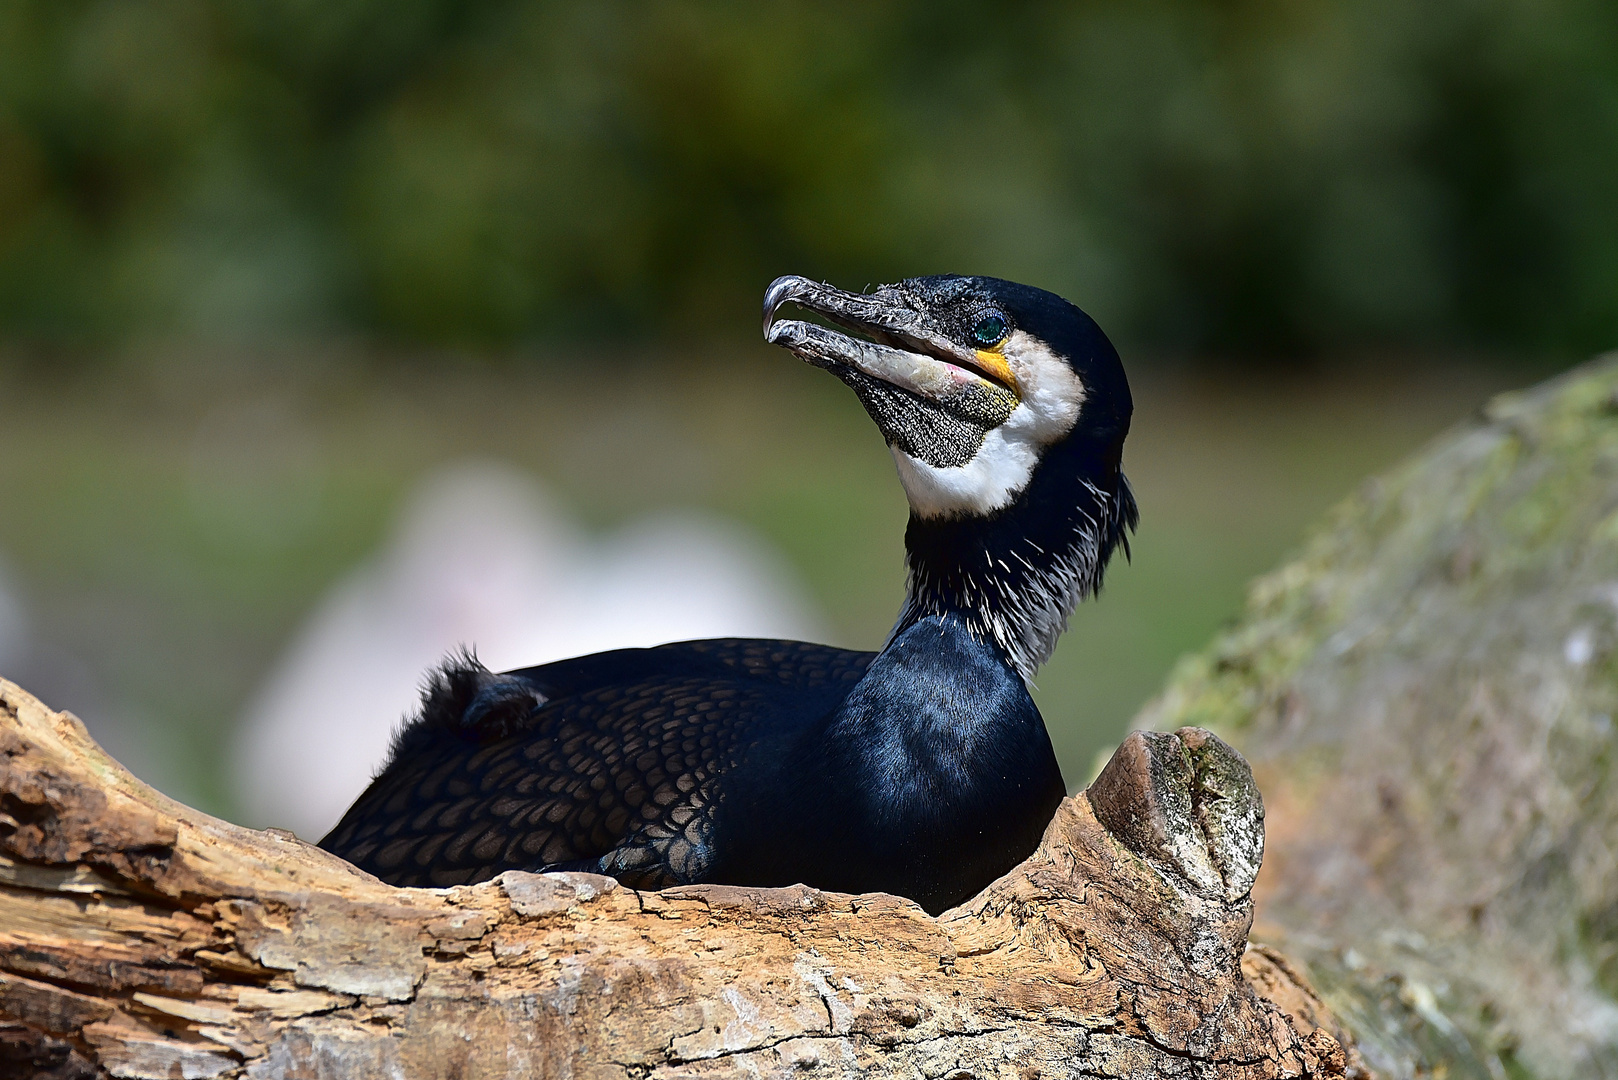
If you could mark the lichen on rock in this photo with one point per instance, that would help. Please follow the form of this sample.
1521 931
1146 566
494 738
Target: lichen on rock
1426 694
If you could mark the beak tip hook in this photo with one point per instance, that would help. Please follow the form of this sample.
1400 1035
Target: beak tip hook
784 288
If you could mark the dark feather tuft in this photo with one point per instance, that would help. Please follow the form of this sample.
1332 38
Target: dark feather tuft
466 700
1125 519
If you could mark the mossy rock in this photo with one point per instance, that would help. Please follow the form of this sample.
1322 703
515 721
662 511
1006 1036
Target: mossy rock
1427 696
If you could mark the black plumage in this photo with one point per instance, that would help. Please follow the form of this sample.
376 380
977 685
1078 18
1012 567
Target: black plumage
614 754
923 770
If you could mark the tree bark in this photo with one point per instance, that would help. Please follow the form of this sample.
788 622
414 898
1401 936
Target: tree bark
1427 695
140 938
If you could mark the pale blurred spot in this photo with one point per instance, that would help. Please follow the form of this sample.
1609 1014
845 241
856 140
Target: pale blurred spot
483 557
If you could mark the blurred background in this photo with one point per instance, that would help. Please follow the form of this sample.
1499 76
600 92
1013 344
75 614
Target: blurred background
335 334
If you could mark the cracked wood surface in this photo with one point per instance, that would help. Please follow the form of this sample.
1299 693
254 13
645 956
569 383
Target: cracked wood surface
140 938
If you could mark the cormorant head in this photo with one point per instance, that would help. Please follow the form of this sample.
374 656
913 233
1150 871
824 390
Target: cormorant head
1006 409
970 379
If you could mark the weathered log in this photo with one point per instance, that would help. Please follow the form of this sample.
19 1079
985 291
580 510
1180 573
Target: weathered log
1427 695
140 938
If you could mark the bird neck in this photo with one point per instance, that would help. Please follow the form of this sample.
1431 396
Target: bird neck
1014 577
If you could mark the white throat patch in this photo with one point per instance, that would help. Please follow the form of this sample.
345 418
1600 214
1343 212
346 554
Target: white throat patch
1051 396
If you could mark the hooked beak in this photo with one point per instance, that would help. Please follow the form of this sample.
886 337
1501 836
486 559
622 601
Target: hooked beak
904 350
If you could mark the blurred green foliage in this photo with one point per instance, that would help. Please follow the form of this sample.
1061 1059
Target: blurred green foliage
1238 176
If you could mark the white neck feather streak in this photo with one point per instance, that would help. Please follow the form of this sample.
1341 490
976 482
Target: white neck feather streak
1021 598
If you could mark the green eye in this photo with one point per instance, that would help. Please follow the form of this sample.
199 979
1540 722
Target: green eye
989 330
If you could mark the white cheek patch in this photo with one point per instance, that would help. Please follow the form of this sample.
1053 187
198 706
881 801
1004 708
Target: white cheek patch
1000 469
1051 398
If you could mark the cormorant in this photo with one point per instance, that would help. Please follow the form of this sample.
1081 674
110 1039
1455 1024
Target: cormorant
924 769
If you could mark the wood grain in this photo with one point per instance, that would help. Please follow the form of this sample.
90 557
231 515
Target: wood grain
140 938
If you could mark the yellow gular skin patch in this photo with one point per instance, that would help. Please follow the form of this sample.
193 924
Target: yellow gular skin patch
994 365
